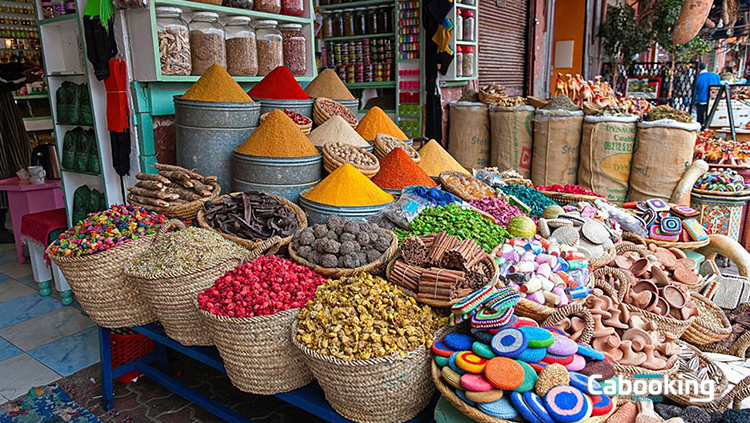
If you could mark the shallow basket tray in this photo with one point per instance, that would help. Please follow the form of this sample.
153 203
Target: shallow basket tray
443 178
250 244
338 272
687 246
488 262
602 261
713 369
490 98
480 417
320 116
379 150
332 162
186 211
702 331
564 198
305 128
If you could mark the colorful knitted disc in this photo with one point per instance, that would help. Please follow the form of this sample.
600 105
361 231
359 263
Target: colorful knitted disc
484 397
470 362
482 335
525 321
586 384
441 361
507 298
577 364
559 359
532 355
516 398
529 379
589 352
566 404
509 342
482 350
439 348
555 331
453 365
487 318
450 377
601 405
476 383
538 366
536 405
563 346
458 341
504 373
457 319
501 409
537 337
460 394
473 300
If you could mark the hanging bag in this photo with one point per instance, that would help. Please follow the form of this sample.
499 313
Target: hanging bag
93 165
70 143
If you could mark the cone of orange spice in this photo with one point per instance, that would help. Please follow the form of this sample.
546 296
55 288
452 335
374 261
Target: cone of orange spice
398 170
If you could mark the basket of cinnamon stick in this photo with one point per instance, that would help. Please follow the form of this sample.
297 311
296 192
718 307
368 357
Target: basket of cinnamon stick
439 269
174 191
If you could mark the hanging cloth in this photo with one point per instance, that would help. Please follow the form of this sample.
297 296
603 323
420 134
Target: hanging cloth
442 39
118 110
100 41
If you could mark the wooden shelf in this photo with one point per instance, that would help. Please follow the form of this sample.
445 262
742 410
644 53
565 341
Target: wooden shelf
381 84
350 5
193 78
182 4
61 18
359 37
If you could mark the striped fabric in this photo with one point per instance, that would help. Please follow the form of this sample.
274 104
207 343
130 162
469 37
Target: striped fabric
15 149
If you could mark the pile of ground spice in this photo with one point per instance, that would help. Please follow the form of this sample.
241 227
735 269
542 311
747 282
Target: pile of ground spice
279 85
336 129
328 84
277 136
216 85
376 122
435 160
666 112
561 102
347 186
398 171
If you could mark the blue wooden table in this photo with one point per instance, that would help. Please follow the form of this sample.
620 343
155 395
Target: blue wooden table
156 367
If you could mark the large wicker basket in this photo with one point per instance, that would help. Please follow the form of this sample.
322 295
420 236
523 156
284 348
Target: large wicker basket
98 280
564 198
569 310
250 244
385 143
393 388
186 211
305 127
711 325
339 272
258 353
686 246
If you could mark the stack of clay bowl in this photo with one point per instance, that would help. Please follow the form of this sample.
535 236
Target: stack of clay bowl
656 281
625 336
584 227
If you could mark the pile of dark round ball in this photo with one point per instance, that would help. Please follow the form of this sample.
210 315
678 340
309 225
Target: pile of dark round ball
342 243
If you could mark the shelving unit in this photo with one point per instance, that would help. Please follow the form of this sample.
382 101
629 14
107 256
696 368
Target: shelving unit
64 52
451 78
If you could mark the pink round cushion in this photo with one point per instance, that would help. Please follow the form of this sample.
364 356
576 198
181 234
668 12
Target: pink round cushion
475 382
563 346
577 364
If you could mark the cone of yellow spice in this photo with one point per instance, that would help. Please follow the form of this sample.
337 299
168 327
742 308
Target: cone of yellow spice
348 187
216 85
376 122
435 160
278 136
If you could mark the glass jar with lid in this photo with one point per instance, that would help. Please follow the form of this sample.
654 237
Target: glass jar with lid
360 21
327 28
269 43
348 22
268 6
294 48
468 63
173 34
459 61
206 42
338 24
371 21
459 25
469 22
240 4
242 58
293 7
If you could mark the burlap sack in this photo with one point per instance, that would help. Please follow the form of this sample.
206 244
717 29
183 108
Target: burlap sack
469 134
663 152
606 152
557 141
512 133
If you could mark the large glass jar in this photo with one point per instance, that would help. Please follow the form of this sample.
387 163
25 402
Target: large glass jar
348 22
206 42
327 28
382 16
459 65
469 22
241 4
459 25
468 64
360 21
338 24
174 41
371 21
388 15
268 6
270 50
293 7
242 58
295 48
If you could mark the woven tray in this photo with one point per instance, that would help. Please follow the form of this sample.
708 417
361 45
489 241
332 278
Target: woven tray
250 244
733 399
686 246
320 116
563 198
713 370
604 260
337 272
331 161
456 190
704 331
187 211
488 262
489 98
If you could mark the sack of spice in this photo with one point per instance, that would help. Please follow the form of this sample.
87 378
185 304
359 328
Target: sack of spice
469 134
512 138
557 141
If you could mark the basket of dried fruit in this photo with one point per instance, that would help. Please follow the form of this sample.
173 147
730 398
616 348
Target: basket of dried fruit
336 154
325 108
492 93
463 186
304 123
384 143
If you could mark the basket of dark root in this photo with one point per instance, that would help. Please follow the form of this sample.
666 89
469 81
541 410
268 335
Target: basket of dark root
250 218
95 268
342 247
175 268
254 335
174 191
492 93
383 377
325 108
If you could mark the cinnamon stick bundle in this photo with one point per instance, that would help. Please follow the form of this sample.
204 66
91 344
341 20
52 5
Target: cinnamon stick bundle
441 284
463 256
413 251
443 242
406 275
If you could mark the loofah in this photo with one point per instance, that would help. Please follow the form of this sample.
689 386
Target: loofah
604 368
693 414
550 377
625 413
736 416
667 411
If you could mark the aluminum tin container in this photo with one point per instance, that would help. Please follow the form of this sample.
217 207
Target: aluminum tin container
303 107
282 176
318 212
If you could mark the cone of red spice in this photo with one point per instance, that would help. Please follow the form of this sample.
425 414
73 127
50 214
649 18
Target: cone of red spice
398 170
279 85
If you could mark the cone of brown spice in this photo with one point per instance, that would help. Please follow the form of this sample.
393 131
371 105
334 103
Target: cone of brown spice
328 84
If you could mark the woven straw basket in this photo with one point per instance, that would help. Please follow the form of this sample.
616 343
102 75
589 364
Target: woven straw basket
249 244
305 128
332 161
564 198
686 246
490 98
733 399
320 116
186 211
713 369
455 189
393 388
711 325
382 147
100 285
577 310
257 351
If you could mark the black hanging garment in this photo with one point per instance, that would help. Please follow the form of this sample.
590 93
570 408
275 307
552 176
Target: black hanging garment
100 44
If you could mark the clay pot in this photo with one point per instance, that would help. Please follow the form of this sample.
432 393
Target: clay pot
641 299
638 337
640 266
679 254
638 322
624 313
652 362
645 285
689 310
614 320
662 307
674 296
630 357
623 262
660 277
608 345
